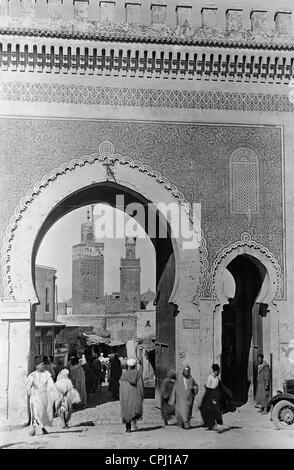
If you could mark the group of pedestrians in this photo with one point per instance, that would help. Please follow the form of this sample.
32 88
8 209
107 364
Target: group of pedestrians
178 392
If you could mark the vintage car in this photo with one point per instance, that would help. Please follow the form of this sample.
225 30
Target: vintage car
281 407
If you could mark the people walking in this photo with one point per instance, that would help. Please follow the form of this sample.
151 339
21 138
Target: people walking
42 395
183 395
97 367
131 395
263 384
68 396
115 374
167 410
212 404
77 376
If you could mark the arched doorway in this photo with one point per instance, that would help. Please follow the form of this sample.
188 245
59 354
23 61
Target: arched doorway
242 331
247 257
108 193
55 195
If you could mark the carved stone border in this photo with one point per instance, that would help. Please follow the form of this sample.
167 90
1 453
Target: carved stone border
246 240
105 152
143 98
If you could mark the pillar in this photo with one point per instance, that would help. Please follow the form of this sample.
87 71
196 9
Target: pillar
15 331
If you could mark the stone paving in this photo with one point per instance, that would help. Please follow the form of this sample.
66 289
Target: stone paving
99 427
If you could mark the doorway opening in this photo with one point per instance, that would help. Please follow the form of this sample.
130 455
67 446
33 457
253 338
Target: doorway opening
242 326
106 193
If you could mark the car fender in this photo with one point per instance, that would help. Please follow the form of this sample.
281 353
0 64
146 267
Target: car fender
280 396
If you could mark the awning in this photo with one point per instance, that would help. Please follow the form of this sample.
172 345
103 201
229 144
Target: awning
95 339
115 342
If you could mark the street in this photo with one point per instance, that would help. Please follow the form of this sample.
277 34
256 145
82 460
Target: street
99 427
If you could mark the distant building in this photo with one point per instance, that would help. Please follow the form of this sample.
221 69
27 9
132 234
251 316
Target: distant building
130 278
87 271
46 326
147 300
112 303
64 308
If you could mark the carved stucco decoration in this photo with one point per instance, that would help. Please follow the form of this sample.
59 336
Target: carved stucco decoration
145 97
108 31
105 154
257 250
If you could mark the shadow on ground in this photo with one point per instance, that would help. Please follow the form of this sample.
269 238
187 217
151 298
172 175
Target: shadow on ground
150 428
229 428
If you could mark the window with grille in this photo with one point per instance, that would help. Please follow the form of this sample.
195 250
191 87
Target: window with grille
244 182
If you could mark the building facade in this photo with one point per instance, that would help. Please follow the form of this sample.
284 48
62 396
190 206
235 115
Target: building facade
169 102
46 326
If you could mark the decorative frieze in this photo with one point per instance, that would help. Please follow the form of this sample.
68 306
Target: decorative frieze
146 98
117 60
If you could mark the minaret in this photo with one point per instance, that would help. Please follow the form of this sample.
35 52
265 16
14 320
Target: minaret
130 278
87 270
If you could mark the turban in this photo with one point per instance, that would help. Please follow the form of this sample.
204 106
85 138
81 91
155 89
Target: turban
131 362
38 360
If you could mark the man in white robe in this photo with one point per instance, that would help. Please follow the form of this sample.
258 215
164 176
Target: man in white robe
42 395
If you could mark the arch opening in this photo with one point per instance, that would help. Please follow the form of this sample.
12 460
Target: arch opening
107 192
242 327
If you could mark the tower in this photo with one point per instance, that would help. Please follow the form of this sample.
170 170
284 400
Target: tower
130 278
87 270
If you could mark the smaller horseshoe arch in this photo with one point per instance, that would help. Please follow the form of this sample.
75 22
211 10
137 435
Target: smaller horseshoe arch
272 287
245 322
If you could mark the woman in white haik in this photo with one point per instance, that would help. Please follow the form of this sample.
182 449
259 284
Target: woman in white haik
69 396
42 395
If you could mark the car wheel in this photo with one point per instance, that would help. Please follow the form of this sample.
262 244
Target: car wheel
283 415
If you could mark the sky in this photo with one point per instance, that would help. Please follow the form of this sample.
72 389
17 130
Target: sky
56 250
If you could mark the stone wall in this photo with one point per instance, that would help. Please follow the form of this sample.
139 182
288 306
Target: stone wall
45 279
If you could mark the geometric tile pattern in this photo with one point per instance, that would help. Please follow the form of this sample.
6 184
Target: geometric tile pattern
147 98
